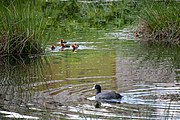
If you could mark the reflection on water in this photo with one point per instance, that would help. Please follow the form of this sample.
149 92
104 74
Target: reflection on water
58 85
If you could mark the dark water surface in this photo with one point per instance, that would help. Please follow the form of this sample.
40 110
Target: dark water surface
58 85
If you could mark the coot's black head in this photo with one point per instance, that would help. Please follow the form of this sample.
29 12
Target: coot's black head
98 88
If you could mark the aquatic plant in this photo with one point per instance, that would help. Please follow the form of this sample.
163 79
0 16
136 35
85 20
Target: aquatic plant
159 21
22 27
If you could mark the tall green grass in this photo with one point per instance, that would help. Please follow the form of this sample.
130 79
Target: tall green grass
79 15
22 27
159 21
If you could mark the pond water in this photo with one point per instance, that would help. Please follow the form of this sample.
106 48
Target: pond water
58 85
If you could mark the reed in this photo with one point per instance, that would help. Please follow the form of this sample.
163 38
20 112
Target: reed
159 21
116 14
96 14
22 27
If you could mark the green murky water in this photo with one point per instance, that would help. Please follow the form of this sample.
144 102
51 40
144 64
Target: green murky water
58 85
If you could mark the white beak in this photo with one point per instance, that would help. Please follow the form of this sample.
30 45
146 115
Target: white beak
94 87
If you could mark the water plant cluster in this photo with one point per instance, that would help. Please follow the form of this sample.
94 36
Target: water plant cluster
27 25
22 27
160 21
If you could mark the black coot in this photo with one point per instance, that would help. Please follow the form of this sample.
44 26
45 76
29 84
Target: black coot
105 96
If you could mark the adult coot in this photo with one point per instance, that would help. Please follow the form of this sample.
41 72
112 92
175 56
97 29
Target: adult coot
105 96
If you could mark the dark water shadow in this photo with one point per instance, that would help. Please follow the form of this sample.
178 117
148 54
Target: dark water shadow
17 77
111 101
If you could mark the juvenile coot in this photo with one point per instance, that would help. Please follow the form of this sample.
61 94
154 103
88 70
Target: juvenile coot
63 45
103 96
74 46
53 47
62 41
136 34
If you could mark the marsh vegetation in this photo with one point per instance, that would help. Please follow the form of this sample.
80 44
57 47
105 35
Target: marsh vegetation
159 21
22 28
27 26
38 83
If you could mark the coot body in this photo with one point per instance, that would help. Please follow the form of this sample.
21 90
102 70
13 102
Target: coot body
105 96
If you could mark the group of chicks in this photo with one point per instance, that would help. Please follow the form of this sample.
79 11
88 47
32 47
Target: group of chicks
75 46
63 44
